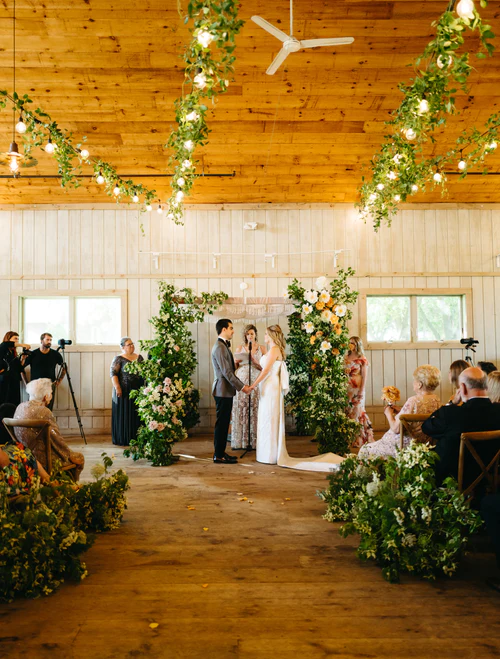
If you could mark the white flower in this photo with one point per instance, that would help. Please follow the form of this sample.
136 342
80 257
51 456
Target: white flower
324 296
97 471
326 345
192 116
326 314
409 540
399 515
311 296
340 310
321 282
200 81
285 295
306 309
372 488
309 327
204 38
189 145
186 164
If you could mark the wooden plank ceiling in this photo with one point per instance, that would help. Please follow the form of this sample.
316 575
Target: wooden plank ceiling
110 69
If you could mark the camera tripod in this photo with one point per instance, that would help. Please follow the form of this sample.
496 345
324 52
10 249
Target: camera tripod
64 366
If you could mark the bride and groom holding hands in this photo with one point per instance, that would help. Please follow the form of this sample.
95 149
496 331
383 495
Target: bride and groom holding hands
273 384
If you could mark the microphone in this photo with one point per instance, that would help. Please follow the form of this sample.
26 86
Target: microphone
249 346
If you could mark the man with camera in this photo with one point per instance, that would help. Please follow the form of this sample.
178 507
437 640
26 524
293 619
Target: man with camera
44 361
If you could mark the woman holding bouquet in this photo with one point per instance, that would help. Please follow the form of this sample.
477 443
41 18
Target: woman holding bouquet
357 370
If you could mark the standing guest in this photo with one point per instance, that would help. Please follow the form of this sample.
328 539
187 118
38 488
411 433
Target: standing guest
40 393
125 420
239 420
487 367
425 380
494 386
44 361
357 370
11 369
456 368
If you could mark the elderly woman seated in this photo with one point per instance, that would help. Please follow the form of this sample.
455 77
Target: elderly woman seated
40 393
425 380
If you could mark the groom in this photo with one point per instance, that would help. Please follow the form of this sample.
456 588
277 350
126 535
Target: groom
225 386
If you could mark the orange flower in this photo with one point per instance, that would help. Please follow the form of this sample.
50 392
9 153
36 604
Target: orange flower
320 305
319 333
338 330
336 351
313 366
330 303
316 359
334 320
312 339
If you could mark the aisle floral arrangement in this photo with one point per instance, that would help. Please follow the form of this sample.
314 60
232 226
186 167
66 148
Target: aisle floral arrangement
168 401
44 529
406 523
319 339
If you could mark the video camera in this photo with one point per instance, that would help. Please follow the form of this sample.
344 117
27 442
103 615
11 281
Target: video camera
64 342
469 343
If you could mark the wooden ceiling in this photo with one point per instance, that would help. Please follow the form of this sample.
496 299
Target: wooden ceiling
109 69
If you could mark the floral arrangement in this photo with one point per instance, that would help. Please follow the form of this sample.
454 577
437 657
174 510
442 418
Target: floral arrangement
405 521
209 63
319 340
168 402
390 395
402 167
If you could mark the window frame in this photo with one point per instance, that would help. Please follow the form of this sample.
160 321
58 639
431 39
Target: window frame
413 293
18 313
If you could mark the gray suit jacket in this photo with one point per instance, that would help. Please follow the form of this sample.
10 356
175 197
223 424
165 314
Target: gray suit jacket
225 381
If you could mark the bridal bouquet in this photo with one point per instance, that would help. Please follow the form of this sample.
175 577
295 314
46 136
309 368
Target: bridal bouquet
390 395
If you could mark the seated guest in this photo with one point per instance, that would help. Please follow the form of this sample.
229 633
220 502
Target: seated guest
487 367
477 414
425 380
40 393
18 467
455 369
490 512
494 386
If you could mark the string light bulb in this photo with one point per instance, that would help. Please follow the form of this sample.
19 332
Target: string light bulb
49 147
21 126
443 62
149 208
410 134
423 106
84 154
135 199
14 157
100 178
159 210
438 177
462 165
465 9
414 188
116 191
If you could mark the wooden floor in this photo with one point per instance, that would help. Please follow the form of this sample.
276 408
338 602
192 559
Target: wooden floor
265 577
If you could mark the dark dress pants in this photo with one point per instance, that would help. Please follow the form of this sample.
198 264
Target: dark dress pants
223 407
490 512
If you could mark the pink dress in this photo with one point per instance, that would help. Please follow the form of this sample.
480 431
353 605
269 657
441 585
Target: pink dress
356 396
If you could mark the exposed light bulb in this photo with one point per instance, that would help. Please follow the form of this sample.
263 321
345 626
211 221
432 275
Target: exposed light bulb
180 182
465 9
462 165
438 177
116 191
186 164
135 199
149 208
13 164
410 134
21 126
243 286
423 106
397 197
204 38
192 116
49 147
189 145
392 176
159 210
444 61
414 188
380 186
492 145
200 81
100 178
84 154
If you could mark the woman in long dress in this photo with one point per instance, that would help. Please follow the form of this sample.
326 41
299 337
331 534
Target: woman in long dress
239 420
125 420
273 383
357 370
11 368
425 380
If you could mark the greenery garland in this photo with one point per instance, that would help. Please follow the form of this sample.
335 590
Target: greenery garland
401 168
405 521
319 339
40 129
168 403
209 62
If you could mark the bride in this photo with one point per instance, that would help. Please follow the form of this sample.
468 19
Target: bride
273 382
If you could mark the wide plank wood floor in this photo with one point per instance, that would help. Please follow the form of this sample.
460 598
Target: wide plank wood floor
238 579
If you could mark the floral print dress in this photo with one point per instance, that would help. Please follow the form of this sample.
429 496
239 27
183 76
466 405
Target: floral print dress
356 396
20 474
239 419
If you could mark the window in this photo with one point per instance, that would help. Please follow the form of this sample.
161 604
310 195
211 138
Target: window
408 317
84 319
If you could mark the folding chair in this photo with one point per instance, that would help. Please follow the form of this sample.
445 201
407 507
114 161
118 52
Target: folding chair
404 425
489 472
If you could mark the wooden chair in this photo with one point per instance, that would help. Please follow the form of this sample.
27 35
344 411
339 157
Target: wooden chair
44 433
405 428
489 472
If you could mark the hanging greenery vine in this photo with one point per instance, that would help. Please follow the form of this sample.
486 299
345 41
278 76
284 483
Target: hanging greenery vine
401 168
38 130
209 64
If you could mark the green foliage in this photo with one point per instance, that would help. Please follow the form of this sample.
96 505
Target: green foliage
402 167
319 339
405 522
209 63
168 404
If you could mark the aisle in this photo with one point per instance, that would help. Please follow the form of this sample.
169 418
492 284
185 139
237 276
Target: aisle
231 578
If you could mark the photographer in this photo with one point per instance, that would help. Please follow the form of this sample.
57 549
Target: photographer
11 368
44 361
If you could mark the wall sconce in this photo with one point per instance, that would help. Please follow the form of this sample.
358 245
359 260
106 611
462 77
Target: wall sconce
215 260
497 260
272 257
250 226
156 259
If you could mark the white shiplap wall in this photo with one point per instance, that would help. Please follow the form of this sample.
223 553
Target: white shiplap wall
100 249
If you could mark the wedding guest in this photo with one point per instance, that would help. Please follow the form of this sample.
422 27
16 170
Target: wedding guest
490 512
487 367
425 381
19 468
11 368
456 368
477 414
239 419
40 393
494 386
125 420
357 370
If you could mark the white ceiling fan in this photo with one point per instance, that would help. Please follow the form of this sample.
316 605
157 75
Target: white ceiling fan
291 44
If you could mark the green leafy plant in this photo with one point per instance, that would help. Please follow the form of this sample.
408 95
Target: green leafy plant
319 339
168 403
402 167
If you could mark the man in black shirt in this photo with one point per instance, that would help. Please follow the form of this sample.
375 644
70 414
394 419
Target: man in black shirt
44 361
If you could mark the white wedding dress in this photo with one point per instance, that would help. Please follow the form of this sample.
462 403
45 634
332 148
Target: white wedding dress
271 441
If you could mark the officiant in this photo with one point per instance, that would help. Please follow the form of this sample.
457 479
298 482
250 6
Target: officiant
245 372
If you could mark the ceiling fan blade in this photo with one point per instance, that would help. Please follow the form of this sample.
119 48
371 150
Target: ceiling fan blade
277 61
315 43
270 28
